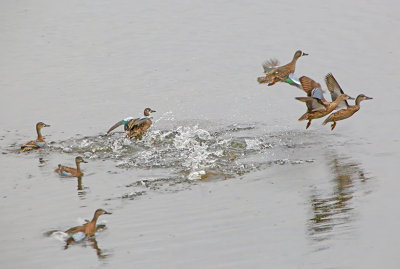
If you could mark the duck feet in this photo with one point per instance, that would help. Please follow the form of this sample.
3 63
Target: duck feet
273 82
308 124
333 125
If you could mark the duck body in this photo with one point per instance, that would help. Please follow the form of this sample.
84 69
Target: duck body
39 142
284 73
139 127
317 106
135 127
89 228
69 171
346 112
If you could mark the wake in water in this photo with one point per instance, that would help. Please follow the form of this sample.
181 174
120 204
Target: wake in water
194 153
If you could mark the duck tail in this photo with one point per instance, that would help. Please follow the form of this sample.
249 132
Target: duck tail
263 80
304 117
328 119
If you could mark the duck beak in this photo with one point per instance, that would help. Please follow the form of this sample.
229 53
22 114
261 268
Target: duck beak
153 111
351 98
368 98
107 213
84 161
46 125
305 54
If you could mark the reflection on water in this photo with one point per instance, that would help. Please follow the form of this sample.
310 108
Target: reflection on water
91 241
87 241
81 189
333 211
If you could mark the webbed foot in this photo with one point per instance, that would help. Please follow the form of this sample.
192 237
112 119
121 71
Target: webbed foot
333 125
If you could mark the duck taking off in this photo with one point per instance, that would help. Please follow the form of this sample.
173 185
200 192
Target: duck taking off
89 228
39 142
346 112
317 106
285 73
135 127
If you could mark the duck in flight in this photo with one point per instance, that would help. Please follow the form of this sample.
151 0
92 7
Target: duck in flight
346 112
285 73
317 106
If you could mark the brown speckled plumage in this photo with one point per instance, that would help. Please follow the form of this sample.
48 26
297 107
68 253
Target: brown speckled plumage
346 112
279 73
318 108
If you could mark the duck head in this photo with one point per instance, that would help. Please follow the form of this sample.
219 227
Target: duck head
298 54
79 159
100 212
40 125
362 97
147 111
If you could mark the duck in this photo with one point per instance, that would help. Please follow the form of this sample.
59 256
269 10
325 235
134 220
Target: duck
87 229
39 142
317 106
285 73
69 171
346 112
135 127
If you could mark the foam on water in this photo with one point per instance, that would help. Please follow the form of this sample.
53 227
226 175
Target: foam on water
192 152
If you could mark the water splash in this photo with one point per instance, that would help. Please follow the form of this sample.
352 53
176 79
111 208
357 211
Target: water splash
191 152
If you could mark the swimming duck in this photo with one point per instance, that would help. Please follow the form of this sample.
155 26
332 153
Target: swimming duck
89 228
284 73
137 126
39 142
317 106
346 112
69 171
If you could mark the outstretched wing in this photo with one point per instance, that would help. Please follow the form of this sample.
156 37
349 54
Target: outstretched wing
115 126
313 104
309 85
270 64
335 90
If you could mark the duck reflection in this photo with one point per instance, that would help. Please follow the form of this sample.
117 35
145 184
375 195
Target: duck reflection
90 241
334 210
81 189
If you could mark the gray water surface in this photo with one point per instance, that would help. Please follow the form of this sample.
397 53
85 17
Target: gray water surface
226 177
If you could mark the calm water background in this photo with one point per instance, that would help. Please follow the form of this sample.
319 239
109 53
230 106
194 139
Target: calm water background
273 194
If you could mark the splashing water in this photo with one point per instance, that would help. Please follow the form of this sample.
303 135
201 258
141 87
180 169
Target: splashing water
192 152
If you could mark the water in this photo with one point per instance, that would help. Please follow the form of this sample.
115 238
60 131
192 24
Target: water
226 177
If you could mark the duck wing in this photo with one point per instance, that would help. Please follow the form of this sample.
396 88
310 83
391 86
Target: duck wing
139 123
335 90
29 146
65 170
270 64
76 229
115 126
313 104
312 88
